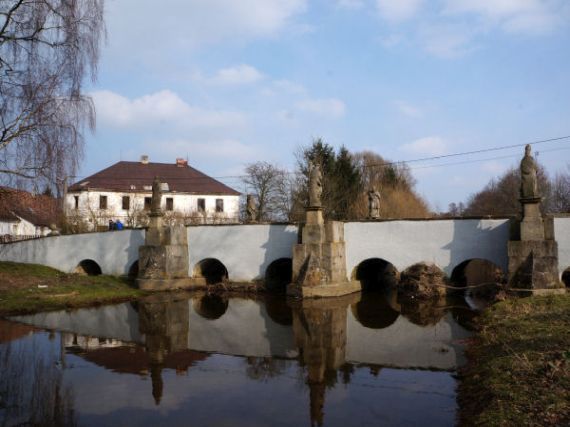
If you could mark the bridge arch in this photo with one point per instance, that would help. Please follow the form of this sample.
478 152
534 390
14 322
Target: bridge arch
210 306
212 270
133 270
88 267
566 277
477 271
376 274
279 274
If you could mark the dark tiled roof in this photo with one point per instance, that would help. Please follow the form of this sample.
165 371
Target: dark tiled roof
38 209
122 176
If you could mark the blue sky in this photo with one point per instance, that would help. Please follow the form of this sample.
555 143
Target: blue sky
226 82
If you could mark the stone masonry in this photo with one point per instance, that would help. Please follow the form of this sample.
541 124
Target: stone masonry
319 262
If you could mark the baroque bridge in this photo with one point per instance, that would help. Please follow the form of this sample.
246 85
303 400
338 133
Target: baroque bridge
250 252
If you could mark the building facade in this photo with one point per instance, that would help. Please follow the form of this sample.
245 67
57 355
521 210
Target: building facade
123 192
25 215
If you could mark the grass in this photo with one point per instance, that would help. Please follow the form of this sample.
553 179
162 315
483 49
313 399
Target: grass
30 288
518 371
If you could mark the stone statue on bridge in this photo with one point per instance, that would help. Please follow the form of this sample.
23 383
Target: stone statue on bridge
155 209
315 185
251 209
529 180
373 204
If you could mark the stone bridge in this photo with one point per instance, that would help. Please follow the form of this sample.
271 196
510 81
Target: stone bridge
256 251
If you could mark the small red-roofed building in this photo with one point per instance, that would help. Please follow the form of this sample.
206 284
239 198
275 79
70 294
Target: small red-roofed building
25 215
123 192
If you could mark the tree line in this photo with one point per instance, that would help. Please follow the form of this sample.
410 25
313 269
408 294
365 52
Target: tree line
500 197
347 178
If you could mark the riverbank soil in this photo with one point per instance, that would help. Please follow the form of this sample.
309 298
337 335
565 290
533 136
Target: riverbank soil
518 371
30 288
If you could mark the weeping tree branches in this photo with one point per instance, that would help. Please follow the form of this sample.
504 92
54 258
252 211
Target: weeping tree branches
47 48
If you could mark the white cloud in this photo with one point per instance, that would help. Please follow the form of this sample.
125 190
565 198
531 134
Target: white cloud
428 146
214 149
160 108
398 10
237 75
516 16
181 24
328 107
350 4
408 110
447 41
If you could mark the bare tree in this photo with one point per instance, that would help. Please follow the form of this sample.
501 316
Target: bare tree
271 186
560 197
47 47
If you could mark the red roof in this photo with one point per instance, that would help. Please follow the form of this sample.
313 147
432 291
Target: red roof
38 209
135 176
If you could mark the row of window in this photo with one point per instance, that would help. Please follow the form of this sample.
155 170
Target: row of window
126 203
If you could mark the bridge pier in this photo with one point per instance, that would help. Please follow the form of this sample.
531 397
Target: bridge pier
319 261
533 252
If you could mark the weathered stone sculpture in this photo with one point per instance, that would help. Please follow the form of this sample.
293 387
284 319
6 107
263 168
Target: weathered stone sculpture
251 209
319 264
155 209
532 251
373 204
163 259
315 186
529 181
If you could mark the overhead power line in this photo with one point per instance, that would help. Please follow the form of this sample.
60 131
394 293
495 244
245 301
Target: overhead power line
402 162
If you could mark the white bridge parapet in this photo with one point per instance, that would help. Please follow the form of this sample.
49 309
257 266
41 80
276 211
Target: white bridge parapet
247 250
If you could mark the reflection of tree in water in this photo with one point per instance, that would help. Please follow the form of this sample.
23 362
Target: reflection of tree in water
31 388
423 312
265 368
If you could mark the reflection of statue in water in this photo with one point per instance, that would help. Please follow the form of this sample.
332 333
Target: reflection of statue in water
251 209
156 197
373 204
164 322
319 327
529 181
315 185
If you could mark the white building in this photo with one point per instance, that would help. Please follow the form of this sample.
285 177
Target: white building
25 215
123 192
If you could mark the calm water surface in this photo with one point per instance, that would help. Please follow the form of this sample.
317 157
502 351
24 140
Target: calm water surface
194 359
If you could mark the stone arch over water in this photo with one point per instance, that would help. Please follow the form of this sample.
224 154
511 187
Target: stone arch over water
279 274
212 270
376 274
477 271
133 270
88 267
566 277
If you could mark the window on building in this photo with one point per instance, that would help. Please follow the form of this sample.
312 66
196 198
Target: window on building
147 203
219 205
102 202
169 204
126 203
76 199
201 205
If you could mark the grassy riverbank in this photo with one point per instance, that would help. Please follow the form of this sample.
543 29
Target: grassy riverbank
29 288
518 372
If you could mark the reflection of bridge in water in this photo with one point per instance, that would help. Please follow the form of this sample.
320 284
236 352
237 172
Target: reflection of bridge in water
325 336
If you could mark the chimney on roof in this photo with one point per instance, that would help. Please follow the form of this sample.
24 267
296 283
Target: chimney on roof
181 162
144 159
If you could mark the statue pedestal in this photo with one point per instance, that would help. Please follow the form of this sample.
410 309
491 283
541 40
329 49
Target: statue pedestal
319 264
163 259
532 225
533 260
